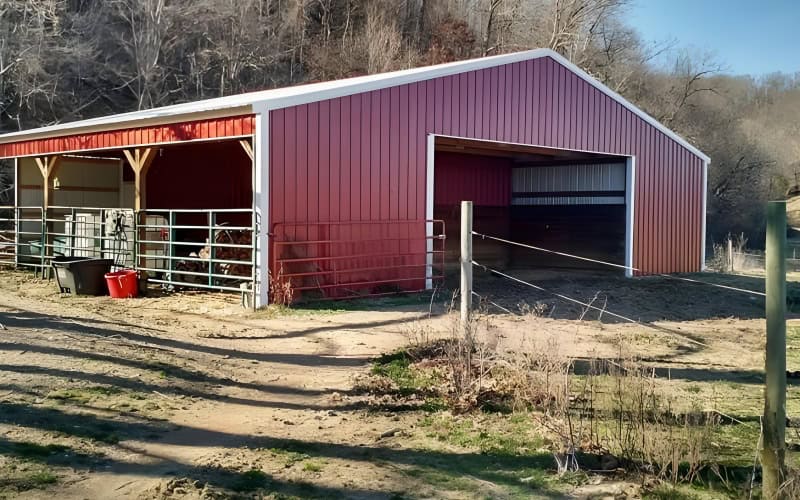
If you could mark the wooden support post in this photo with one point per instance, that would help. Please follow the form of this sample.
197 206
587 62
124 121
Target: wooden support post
48 165
730 254
773 448
466 266
140 160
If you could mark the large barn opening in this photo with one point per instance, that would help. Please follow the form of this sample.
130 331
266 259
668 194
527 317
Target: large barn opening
566 201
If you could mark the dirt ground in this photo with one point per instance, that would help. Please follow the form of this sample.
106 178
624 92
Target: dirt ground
190 396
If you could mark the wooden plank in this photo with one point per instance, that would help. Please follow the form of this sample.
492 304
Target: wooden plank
248 148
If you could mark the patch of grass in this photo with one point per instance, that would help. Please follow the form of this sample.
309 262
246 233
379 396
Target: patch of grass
29 480
443 479
793 348
311 466
669 492
377 303
493 435
433 405
274 311
250 481
397 367
289 457
42 478
488 476
33 451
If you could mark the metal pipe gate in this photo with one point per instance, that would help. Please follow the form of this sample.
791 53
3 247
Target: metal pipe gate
348 259
208 249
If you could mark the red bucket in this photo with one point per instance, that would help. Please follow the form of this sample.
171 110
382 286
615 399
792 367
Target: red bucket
123 284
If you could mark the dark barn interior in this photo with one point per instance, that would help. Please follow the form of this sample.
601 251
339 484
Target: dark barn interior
566 201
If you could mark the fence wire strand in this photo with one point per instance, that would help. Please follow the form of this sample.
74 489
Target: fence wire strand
490 302
611 264
547 250
726 287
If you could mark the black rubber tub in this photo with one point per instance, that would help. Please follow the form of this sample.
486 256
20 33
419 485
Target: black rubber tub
82 275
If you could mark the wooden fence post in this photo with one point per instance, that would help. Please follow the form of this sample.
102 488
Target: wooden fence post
730 254
774 423
466 266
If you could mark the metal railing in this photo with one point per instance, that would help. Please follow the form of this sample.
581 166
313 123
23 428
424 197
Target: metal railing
21 234
338 260
90 232
211 249
755 260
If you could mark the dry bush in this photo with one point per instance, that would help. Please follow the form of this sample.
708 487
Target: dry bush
535 375
791 486
617 410
720 261
383 41
648 431
537 309
418 336
450 40
281 291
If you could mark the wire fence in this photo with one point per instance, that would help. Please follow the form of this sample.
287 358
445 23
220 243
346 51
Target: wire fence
586 305
754 260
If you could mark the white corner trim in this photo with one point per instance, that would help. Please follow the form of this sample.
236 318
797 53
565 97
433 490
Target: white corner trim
630 200
261 206
703 217
429 179
304 94
15 214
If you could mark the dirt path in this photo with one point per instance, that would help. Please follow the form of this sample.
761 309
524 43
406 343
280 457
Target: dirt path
185 396
198 385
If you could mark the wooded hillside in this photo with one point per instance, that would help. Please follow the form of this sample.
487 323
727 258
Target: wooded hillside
63 60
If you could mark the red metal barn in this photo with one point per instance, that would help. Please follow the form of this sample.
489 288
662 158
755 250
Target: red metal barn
350 183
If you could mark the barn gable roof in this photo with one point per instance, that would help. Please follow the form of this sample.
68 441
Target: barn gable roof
255 102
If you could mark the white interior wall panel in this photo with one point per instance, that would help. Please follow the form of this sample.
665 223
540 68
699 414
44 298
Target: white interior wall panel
81 183
533 185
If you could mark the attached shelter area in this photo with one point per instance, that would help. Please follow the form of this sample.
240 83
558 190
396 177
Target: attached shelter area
157 209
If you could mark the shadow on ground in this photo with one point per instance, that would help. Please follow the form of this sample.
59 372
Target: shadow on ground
501 470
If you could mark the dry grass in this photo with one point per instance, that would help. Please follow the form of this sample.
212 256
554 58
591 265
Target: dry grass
598 414
281 291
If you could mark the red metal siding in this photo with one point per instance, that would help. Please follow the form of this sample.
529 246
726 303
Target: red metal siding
213 128
371 150
484 180
183 177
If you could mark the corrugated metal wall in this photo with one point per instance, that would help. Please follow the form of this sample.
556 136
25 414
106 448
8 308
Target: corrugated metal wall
201 176
212 128
483 179
530 184
83 182
362 157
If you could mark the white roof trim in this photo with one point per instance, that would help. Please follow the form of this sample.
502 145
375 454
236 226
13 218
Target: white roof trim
302 94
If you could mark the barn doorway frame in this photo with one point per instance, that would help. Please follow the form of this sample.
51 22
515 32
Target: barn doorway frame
630 192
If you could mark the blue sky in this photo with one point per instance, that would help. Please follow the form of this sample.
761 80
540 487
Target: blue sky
753 37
